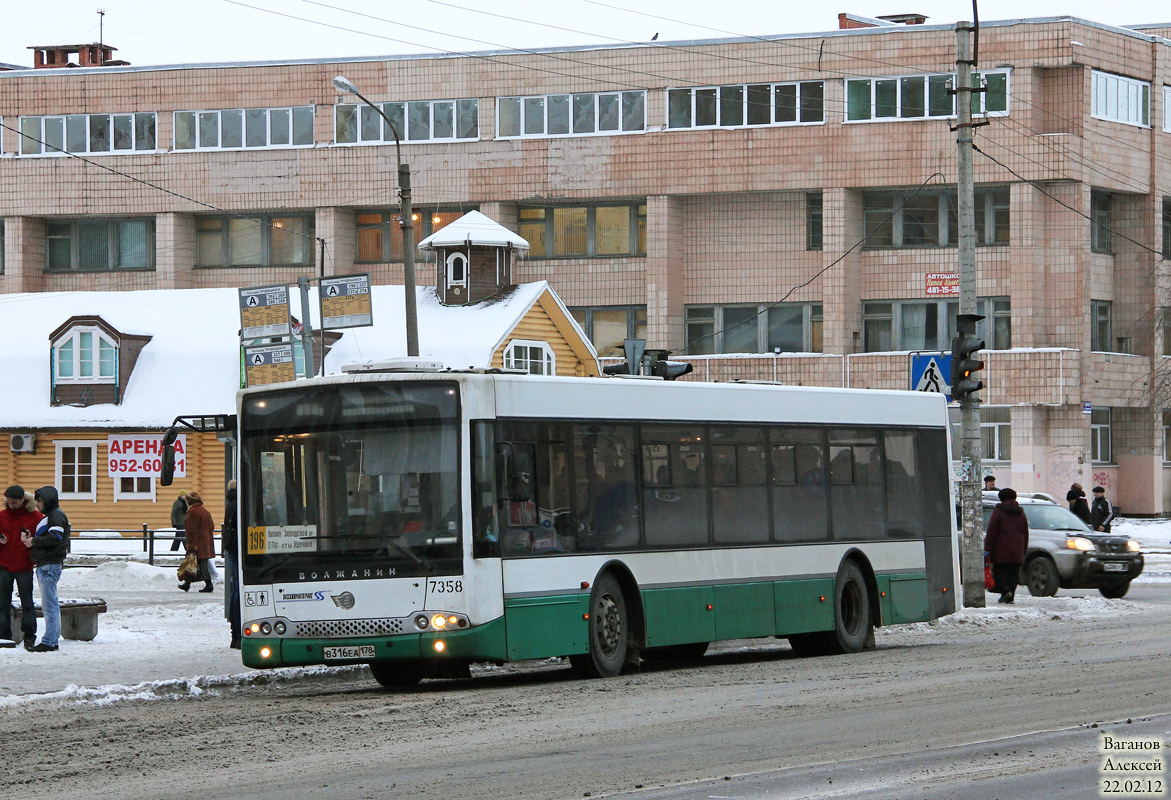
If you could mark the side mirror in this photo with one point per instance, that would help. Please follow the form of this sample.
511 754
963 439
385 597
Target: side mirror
167 474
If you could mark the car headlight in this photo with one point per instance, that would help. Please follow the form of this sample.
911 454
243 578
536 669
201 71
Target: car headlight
1079 543
1133 546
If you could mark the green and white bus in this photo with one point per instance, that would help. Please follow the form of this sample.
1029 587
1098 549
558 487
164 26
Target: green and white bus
421 521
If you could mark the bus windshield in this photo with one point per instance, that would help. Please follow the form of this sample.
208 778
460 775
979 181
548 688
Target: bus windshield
351 481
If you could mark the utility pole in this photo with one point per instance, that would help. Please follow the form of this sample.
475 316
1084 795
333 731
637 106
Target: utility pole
971 497
307 328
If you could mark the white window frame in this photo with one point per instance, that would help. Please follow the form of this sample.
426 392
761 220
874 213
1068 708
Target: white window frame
1100 431
268 128
39 140
92 494
951 77
548 357
772 115
134 495
544 98
399 111
1167 109
451 258
1116 98
74 335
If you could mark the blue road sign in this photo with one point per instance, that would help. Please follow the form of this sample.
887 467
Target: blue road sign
931 372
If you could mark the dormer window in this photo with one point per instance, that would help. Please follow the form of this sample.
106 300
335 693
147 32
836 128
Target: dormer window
85 354
535 358
91 362
457 270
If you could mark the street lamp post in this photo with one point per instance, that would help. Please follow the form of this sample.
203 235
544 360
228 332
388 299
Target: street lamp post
343 85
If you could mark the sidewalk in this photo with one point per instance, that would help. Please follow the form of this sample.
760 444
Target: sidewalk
151 632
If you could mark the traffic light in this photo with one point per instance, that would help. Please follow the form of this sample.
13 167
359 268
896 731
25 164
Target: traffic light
964 382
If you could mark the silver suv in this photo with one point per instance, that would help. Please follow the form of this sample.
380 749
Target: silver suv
1065 554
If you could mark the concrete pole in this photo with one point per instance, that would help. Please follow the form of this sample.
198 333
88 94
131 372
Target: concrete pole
306 328
972 516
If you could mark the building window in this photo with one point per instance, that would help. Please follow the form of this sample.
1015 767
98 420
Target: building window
746 104
99 245
1 247
1166 436
591 113
87 134
535 358
931 218
1119 99
921 96
607 327
265 240
1100 223
1100 436
76 470
813 221
457 270
592 231
995 432
416 121
242 128
931 324
380 235
1166 228
86 355
784 328
1100 325
134 489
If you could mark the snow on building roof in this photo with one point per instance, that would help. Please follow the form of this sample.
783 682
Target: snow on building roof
474 228
192 363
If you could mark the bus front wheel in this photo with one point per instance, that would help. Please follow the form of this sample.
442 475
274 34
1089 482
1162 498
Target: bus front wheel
608 631
397 675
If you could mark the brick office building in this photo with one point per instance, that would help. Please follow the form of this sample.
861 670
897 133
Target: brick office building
777 208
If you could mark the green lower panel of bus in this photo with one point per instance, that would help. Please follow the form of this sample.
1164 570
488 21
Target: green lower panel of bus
908 599
481 643
539 627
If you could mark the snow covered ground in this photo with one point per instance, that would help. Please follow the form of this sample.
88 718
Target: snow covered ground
156 642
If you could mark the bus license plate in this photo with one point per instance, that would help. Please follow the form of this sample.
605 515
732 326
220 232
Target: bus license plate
1114 566
348 653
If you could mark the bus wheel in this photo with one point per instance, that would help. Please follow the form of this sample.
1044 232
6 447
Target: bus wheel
397 674
608 629
852 622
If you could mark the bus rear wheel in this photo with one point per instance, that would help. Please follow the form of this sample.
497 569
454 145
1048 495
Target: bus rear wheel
397 674
608 631
852 620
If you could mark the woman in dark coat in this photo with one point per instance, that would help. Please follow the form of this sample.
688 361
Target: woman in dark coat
1006 542
200 539
1076 497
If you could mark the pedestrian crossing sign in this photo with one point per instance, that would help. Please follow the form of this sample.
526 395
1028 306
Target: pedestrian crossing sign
931 372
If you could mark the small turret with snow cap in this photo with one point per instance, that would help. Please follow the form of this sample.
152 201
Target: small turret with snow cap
474 258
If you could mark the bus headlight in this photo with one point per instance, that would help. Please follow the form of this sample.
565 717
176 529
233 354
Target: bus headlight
266 652
1079 543
439 621
421 622
439 647
280 628
265 628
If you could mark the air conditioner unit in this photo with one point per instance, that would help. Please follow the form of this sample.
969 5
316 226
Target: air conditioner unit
23 443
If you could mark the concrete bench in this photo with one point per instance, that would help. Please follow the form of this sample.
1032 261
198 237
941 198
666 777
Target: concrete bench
79 618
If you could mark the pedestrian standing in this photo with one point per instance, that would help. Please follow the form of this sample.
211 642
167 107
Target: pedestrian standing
1006 542
231 547
19 514
1076 497
48 544
1101 512
200 539
179 520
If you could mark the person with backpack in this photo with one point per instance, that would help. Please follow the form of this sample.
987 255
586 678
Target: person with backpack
48 546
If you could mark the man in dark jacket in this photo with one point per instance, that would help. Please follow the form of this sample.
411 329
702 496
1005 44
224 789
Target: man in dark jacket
1006 542
47 547
179 521
19 514
1101 512
231 546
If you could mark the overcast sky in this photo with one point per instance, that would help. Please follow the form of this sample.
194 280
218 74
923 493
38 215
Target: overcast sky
193 31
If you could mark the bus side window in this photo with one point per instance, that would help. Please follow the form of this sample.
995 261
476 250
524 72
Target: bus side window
485 538
517 490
